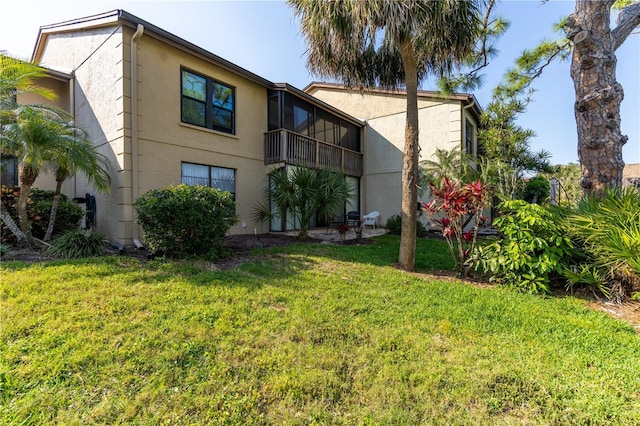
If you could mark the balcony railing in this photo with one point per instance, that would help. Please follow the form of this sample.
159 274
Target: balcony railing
284 146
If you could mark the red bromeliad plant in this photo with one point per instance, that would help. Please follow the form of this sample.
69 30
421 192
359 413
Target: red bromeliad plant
455 204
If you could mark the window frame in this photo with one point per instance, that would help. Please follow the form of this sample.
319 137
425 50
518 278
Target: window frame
208 103
210 168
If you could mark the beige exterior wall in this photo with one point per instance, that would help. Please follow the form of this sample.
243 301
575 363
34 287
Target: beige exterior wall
441 125
165 142
100 60
95 57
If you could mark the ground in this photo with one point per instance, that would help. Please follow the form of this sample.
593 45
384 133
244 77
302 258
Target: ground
242 245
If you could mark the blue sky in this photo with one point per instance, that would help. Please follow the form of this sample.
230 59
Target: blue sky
263 37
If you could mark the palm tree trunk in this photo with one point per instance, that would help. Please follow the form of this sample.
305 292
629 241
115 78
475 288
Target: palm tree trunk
27 178
54 211
407 256
598 96
13 227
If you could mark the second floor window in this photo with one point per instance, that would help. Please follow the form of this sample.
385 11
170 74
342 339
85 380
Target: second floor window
468 137
207 102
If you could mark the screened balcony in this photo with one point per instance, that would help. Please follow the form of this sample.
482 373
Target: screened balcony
285 146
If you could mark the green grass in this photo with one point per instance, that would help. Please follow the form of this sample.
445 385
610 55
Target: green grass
307 334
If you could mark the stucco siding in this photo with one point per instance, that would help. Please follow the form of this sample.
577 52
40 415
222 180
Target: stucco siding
165 142
440 126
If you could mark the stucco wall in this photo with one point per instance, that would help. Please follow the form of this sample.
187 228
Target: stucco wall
165 142
440 126
100 59
95 57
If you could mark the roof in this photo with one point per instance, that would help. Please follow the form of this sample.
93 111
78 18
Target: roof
122 17
466 98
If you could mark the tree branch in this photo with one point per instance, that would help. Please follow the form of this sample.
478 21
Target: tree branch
628 19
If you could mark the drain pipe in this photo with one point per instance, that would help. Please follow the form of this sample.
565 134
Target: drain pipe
134 132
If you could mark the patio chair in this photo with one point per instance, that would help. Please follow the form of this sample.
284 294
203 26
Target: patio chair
371 219
352 218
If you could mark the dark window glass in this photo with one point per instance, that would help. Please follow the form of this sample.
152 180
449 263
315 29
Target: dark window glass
218 114
274 111
468 137
9 171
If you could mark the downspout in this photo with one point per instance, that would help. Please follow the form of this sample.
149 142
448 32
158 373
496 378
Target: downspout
134 132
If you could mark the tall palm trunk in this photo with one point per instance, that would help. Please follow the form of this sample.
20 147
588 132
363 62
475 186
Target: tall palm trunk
27 178
13 226
54 209
406 258
598 96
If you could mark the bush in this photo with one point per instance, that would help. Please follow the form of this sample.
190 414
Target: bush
394 226
39 208
607 230
182 220
537 190
533 248
76 244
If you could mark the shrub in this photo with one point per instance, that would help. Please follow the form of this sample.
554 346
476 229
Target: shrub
537 190
183 220
394 226
533 248
607 230
76 244
460 204
39 207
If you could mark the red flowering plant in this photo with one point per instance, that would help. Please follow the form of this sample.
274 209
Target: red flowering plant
457 205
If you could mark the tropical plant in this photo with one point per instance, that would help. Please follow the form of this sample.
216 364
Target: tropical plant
607 230
77 244
41 136
391 44
299 193
452 164
76 154
536 190
533 249
452 205
394 226
182 220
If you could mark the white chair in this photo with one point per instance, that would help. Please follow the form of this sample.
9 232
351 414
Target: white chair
371 219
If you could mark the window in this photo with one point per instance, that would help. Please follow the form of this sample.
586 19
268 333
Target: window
216 177
468 137
207 102
9 171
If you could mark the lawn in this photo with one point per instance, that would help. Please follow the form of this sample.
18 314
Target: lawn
303 334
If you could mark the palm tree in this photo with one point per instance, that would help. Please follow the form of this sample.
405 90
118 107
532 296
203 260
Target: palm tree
42 136
76 154
16 78
32 137
391 44
302 192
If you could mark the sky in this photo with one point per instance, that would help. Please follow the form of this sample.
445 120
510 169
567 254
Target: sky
263 37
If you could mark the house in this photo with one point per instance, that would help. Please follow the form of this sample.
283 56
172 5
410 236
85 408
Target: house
445 122
165 111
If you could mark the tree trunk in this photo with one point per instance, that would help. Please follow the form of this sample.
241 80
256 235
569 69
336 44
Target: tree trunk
27 178
54 211
407 256
598 96
13 227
